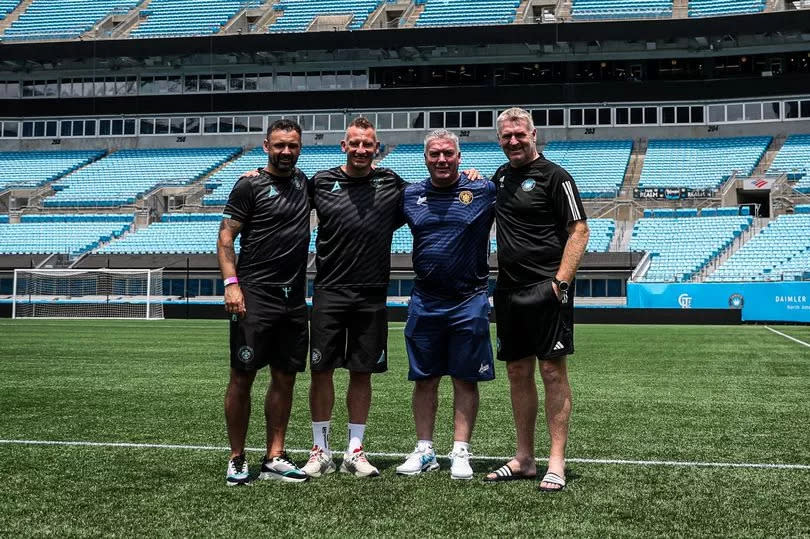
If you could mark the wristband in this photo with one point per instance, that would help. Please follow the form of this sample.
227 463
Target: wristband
231 280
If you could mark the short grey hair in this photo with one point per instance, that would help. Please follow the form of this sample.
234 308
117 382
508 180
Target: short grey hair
514 114
441 134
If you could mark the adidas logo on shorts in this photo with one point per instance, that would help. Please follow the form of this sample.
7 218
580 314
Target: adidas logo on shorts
558 346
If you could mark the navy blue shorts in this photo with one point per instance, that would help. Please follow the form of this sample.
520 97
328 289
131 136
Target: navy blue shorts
449 337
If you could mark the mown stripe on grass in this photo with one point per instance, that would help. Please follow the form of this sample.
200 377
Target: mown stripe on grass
627 462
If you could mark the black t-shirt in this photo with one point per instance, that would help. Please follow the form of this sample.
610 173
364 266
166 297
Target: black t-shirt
535 205
356 221
274 239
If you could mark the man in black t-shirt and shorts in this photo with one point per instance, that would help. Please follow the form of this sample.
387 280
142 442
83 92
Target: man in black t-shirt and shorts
265 295
542 234
358 210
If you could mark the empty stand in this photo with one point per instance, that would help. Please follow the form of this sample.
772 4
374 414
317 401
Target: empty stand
680 247
794 160
597 166
70 234
711 8
182 18
63 19
700 163
123 177
466 12
602 231
175 234
26 170
780 251
403 241
7 6
589 10
313 159
297 15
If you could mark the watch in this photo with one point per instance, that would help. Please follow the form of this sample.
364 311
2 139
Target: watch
562 285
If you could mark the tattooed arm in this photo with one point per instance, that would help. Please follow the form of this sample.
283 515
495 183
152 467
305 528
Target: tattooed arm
228 230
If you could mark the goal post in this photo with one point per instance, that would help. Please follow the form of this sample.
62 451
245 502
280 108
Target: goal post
88 293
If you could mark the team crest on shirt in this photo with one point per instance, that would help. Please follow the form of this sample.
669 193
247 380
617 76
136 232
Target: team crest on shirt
528 184
376 183
465 197
273 192
336 186
298 184
316 356
245 354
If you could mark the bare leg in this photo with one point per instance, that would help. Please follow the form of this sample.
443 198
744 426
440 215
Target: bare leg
277 406
424 403
524 411
558 412
321 396
237 408
465 409
358 397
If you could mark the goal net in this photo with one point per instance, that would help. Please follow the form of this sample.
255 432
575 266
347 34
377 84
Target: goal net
90 293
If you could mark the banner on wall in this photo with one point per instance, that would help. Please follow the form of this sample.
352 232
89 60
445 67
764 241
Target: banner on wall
779 301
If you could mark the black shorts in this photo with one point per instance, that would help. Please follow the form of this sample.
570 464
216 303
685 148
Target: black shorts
349 330
273 332
532 321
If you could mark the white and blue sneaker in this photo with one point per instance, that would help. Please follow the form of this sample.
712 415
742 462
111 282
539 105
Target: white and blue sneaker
421 460
237 471
281 468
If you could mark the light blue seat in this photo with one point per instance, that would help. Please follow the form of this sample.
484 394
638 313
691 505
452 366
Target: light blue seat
27 170
793 159
680 247
124 176
63 19
183 18
700 163
711 8
781 250
71 234
589 10
297 15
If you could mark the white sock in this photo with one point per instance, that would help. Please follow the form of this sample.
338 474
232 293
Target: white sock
424 445
460 445
356 433
320 435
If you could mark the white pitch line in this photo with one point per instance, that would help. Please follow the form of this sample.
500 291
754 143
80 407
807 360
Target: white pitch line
794 339
687 464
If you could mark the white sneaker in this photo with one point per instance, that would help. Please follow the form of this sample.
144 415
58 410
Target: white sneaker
357 464
460 464
319 463
421 460
237 473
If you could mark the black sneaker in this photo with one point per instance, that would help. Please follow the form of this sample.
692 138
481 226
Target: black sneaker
281 468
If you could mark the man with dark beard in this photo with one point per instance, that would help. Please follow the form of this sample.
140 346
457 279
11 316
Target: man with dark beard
265 294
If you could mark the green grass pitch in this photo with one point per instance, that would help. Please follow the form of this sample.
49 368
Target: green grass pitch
659 394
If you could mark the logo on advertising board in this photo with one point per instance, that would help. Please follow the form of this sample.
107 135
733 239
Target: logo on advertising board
757 184
797 302
685 301
736 301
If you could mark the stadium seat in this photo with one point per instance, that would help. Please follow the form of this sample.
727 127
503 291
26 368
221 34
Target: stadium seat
467 12
700 163
172 18
713 8
297 15
590 10
781 250
123 177
63 19
181 233
72 234
793 159
28 170
680 247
